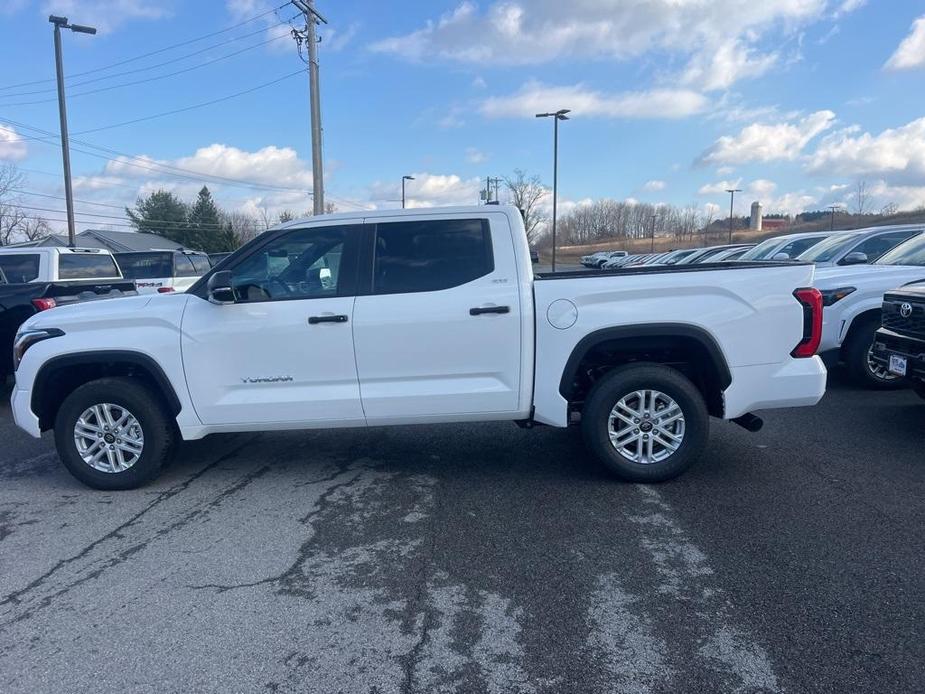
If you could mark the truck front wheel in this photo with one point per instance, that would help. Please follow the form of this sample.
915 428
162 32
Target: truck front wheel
113 433
645 422
865 371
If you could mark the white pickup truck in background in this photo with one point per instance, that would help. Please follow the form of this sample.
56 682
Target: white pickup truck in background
411 317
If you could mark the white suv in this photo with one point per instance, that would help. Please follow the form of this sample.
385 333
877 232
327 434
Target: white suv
163 272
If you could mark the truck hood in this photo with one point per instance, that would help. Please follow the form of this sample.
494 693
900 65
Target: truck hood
130 309
891 276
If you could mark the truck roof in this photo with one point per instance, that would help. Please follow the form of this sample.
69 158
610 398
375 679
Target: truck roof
373 215
48 250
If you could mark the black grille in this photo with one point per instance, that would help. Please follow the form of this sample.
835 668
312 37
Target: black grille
894 320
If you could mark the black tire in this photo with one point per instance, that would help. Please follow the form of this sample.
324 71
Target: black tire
623 382
150 413
856 356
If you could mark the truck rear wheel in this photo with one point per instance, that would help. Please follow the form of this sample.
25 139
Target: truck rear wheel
113 433
858 357
645 422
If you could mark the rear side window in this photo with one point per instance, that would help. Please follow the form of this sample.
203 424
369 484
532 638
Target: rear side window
430 256
79 266
200 263
20 267
144 266
184 266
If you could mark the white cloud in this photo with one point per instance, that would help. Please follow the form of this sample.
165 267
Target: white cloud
427 190
475 156
12 147
108 15
761 187
654 186
911 52
725 170
336 41
763 142
719 40
719 187
535 97
898 153
904 197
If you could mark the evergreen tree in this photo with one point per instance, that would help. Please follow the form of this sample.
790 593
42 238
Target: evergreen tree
211 234
162 213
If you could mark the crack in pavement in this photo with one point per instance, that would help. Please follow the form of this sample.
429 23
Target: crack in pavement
16 597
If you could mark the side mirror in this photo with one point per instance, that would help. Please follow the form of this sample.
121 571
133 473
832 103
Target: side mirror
220 289
855 258
781 256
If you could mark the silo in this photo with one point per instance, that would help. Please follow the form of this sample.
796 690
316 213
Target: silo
755 223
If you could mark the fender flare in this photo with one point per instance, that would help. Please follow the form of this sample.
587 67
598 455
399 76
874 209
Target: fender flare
143 361
659 330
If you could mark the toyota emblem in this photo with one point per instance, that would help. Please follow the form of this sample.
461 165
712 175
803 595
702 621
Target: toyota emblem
905 310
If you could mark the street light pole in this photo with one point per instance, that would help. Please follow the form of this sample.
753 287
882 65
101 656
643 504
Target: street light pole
61 23
403 179
732 196
557 116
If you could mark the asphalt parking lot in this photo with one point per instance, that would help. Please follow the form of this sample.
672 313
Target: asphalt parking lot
476 558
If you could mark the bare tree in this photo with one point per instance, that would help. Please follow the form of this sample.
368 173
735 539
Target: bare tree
526 194
243 226
889 209
861 198
12 216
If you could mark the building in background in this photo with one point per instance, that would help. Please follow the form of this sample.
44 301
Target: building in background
114 241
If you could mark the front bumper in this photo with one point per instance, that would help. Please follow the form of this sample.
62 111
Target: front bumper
23 416
794 383
913 349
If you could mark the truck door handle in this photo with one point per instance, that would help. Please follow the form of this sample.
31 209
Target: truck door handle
314 320
478 311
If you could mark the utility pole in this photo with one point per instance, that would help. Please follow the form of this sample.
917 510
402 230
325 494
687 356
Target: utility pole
833 208
652 247
61 23
561 114
732 196
312 18
489 181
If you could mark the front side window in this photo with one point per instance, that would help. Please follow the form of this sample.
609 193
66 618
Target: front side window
86 266
429 256
20 268
301 264
876 246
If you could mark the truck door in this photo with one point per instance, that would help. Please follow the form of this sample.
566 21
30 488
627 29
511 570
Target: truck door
440 332
283 352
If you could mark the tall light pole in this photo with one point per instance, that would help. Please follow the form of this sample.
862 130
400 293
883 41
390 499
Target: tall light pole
61 23
403 179
312 17
732 196
556 117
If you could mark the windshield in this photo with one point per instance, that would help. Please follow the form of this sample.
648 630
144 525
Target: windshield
911 252
678 256
763 250
829 249
145 266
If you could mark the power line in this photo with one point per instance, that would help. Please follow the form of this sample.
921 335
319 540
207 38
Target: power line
140 81
155 52
61 197
218 225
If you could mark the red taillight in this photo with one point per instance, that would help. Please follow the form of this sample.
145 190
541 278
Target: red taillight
44 304
811 300
165 290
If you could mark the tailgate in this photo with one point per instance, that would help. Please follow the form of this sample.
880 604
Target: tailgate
65 293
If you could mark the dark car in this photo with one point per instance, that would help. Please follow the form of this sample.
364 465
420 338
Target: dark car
899 345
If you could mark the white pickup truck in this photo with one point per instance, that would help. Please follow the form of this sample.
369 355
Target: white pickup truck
410 317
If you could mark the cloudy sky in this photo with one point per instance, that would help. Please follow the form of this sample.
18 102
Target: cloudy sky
794 101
